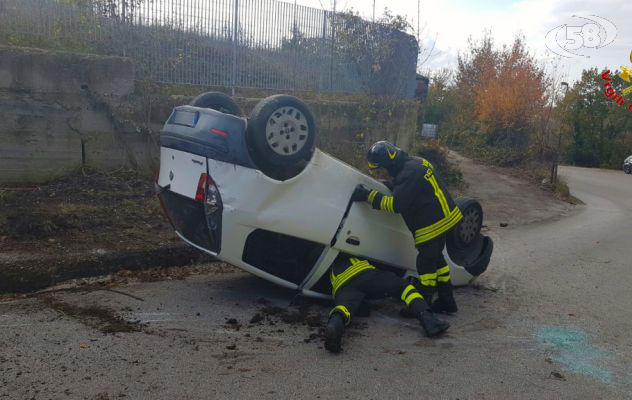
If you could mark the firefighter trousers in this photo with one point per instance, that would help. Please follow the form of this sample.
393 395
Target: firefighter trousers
433 270
372 284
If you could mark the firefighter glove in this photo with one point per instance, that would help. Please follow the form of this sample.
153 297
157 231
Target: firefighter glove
361 193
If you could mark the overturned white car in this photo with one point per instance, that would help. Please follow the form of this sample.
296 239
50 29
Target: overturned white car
255 193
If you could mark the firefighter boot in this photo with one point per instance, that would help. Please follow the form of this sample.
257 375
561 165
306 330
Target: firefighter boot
432 325
445 302
334 331
427 292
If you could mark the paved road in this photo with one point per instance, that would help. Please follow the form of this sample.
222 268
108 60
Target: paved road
551 319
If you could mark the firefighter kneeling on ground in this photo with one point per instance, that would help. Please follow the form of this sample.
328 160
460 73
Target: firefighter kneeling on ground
428 211
354 280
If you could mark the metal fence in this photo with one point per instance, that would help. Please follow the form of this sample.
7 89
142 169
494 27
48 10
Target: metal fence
264 44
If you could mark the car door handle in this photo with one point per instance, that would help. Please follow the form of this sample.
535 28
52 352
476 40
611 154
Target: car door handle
353 240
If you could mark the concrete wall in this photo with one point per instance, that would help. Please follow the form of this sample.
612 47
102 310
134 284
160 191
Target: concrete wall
61 111
51 120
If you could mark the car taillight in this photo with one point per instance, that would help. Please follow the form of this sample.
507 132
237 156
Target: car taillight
208 193
213 200
199 193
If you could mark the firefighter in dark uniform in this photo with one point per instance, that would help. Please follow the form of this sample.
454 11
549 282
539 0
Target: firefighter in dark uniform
354 280
427 209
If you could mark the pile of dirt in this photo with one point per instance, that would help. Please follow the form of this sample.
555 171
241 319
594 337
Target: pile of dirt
305 315
88 223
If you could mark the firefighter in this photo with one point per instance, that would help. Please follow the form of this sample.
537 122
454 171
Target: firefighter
354 280
428 211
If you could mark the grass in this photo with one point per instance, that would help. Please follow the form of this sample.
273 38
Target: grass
82 206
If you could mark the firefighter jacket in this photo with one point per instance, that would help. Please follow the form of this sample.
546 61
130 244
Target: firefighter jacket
426 207
341 271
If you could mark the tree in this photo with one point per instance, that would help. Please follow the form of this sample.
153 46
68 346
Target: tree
440 101
121 9
601 129
498 94
380 52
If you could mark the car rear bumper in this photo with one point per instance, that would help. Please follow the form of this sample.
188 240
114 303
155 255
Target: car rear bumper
191 221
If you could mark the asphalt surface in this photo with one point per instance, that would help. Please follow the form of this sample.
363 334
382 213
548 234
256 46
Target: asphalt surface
550 319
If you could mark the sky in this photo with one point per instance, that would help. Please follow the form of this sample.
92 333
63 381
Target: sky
451 22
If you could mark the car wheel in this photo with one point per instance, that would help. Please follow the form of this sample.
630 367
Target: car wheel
627 169
468 230
281 131
217 101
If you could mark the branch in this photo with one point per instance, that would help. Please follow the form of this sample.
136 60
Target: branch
434 43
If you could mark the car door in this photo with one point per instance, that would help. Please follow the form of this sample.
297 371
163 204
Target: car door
377 235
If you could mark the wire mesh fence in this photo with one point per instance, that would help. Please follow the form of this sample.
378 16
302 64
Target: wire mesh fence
264 44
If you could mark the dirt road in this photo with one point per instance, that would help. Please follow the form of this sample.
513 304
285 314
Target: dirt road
508 199
550 319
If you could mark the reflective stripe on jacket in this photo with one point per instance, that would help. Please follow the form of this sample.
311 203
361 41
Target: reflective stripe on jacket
427 208
340 274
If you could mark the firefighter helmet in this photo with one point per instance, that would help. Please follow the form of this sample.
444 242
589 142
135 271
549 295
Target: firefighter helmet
383 154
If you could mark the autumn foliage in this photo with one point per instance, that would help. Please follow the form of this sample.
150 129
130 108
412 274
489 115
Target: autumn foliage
498 97
501 105
509 93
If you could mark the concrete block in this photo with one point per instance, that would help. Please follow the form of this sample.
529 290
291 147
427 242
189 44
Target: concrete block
44 71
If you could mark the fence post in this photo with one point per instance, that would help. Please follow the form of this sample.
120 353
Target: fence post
333 44
123 27
322 53
294 52
235 24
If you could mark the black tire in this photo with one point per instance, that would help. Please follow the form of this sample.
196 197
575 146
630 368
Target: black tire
217 101
281 131
627 169
468 230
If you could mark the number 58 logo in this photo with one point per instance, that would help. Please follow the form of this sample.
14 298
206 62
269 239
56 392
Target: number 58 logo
564 38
